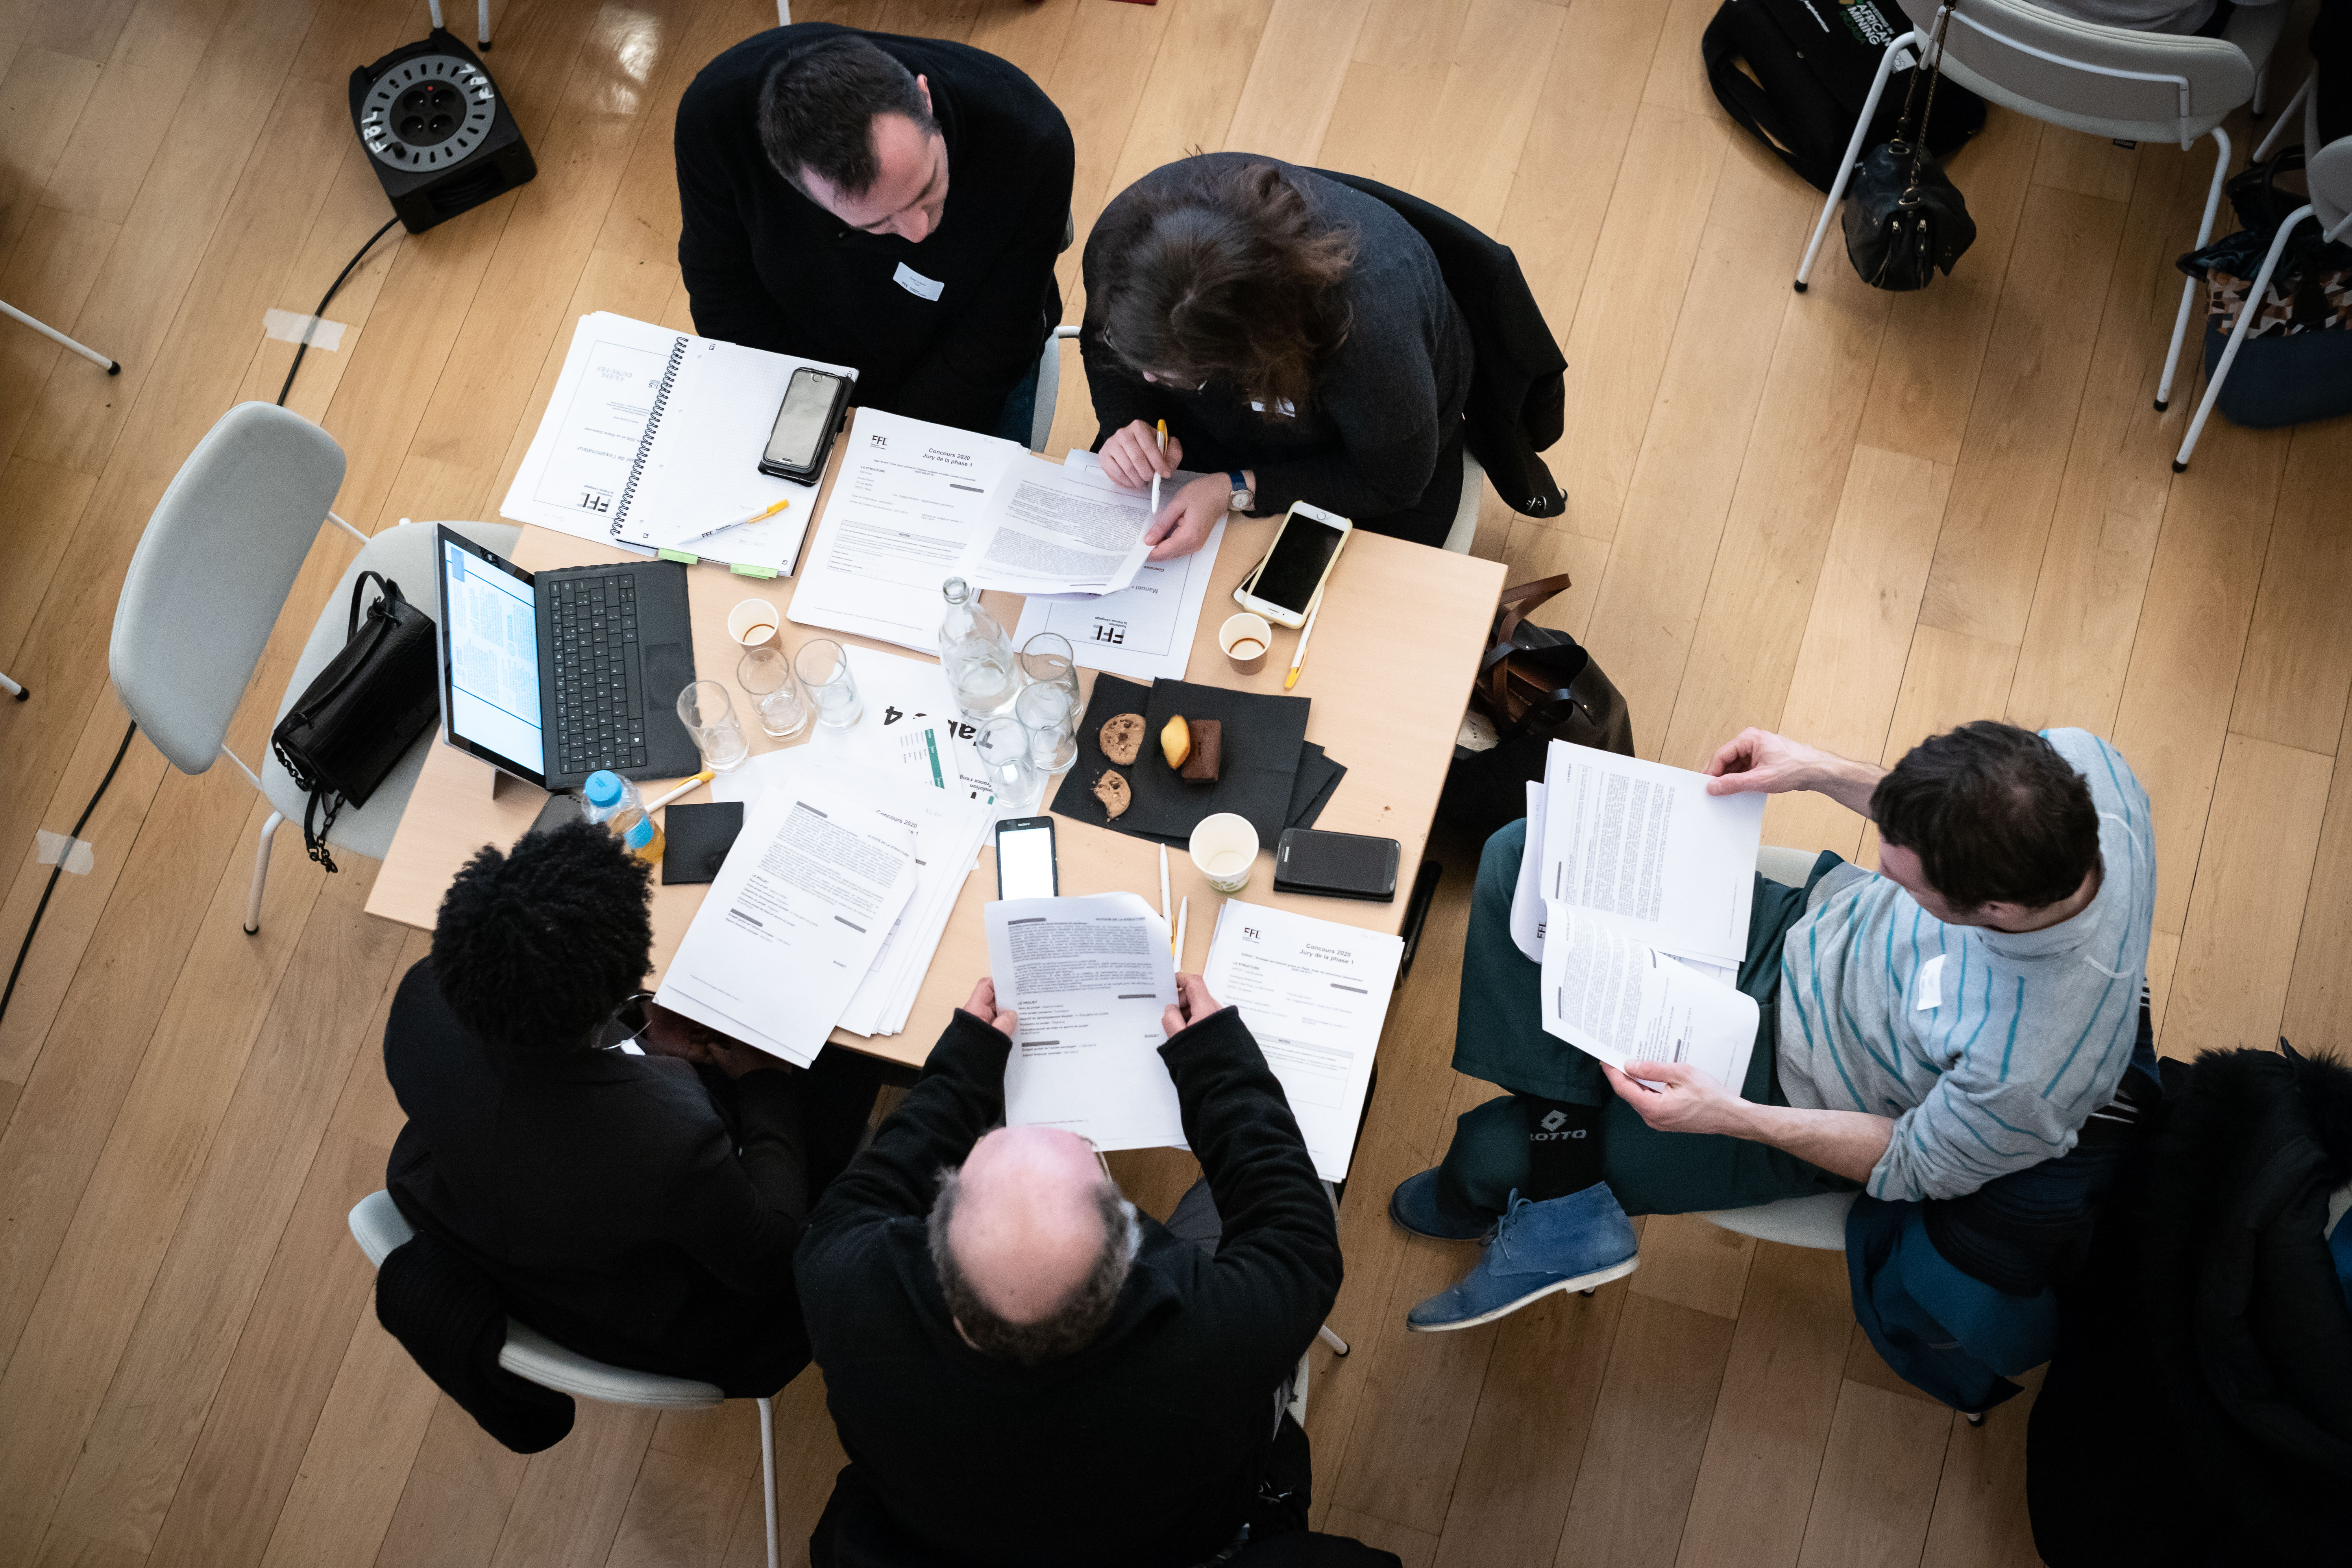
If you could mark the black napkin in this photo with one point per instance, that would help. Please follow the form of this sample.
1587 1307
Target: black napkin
699 838
1264 742
1311 791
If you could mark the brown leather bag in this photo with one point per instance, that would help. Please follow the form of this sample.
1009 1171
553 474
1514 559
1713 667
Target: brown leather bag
1535 686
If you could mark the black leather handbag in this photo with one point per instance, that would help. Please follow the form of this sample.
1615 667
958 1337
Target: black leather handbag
1904 219
359 717
1535 686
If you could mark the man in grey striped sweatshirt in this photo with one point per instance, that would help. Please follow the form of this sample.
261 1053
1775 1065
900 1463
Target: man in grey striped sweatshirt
1941 1032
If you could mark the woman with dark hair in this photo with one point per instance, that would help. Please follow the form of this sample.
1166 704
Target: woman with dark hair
1296 336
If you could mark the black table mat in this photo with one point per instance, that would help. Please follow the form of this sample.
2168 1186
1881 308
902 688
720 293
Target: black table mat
1263 742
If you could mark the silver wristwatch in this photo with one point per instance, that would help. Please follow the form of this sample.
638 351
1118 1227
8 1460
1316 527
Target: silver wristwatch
1243 497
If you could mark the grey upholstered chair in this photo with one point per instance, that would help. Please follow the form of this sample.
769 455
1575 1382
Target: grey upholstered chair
378 1225
2105 82
205 587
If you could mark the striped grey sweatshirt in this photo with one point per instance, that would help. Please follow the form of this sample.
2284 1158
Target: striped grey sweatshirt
1989 1048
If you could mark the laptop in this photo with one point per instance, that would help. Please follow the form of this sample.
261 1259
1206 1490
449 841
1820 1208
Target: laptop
551 676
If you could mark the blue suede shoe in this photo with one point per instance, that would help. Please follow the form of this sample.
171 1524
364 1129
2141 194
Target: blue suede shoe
1561 1244
1419 1206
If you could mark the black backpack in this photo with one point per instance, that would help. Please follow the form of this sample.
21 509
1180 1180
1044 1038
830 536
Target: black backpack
1810 64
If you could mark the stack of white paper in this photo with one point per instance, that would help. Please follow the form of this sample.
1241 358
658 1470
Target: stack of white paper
1058 529
795 919
1092 980
1634 894
1144 631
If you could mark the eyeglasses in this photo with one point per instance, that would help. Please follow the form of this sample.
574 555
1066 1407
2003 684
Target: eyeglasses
626 1024
1102 1160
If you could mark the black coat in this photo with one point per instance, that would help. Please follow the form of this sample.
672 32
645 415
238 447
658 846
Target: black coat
766 266
604 1195
1519 393
2200 1409
1146 1448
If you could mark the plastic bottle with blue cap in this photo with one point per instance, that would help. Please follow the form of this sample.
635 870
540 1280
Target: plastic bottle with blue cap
609 799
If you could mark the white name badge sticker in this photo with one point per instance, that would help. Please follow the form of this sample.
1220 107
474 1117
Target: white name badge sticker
915 283
1927 986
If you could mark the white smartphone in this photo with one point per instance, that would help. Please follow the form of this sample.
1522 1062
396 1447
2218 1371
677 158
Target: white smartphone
1283 586
1027 865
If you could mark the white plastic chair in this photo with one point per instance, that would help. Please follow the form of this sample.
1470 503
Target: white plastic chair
2327 180
378 1225
205 587
2103 81
1464 532
1049 387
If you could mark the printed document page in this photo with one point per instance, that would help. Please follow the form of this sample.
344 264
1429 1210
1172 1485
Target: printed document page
1144 632
1090 978
1611 996
1054 528
1527 899
1314 995
793 919
1645 846
908 498
578 465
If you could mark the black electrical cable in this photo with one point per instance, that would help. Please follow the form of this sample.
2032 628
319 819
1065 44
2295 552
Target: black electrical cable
304 346
123 749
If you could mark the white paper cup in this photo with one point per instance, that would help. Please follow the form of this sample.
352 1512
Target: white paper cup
1224 846
1239 635
753 622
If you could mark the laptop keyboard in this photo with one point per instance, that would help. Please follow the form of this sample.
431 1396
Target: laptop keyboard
599 716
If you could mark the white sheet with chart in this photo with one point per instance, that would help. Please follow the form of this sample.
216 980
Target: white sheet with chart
1314 994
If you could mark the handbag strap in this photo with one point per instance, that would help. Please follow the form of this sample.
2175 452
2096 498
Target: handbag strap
1512 609
391 596
1916 137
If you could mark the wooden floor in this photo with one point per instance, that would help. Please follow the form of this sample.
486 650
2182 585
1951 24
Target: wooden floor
1857 517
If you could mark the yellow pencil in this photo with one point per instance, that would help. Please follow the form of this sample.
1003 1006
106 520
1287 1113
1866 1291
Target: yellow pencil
738 521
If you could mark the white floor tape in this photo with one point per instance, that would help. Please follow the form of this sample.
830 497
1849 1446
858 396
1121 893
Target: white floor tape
54 848
287 327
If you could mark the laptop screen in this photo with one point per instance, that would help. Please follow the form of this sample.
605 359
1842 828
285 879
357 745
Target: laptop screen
493 657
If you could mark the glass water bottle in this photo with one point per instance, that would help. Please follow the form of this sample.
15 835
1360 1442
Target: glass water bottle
976 655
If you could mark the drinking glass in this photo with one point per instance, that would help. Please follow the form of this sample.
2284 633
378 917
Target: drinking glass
1051 719
1003 747
708 716
1047 656
822 666
767 675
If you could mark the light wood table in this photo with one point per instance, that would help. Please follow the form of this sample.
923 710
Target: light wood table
1395 649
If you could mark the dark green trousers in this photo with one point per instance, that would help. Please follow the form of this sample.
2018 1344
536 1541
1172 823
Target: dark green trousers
1499 1037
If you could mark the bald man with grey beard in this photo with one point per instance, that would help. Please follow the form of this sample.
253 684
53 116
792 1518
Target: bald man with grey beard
1023 1369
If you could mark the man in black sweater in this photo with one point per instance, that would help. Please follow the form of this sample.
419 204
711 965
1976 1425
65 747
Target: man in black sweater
639 1209
891 204
1022 1370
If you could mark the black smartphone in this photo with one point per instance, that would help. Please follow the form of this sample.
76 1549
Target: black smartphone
805 425
1026 864
1335 865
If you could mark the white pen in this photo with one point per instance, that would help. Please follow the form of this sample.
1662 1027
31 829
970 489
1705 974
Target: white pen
1183 911
1163 900
688 787
1155 513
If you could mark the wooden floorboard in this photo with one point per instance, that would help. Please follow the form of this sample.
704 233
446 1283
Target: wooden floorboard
1861 517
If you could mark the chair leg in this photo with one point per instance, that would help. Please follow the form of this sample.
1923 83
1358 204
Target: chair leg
112 367
1338 1346
1853 150
2189 285
768 1471
2286 117
260 873
13 689
482 25
2237 335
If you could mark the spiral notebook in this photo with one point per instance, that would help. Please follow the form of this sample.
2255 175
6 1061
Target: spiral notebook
653 437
